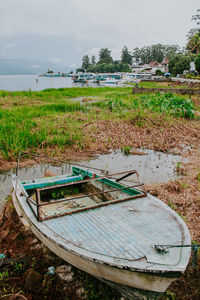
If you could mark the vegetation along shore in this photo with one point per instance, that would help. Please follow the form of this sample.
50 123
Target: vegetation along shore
77 123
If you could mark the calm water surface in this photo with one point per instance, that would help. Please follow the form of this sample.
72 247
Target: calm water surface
29 82
155 167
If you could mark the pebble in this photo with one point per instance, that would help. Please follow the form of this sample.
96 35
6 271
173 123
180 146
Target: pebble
80 291
64 272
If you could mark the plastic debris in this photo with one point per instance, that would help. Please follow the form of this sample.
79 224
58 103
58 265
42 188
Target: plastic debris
2 256
51 270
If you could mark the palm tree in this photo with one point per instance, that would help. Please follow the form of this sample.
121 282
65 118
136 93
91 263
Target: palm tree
193 44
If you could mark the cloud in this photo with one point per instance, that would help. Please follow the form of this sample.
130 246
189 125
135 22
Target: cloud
9 46
35 67
106 20
55 60
71 29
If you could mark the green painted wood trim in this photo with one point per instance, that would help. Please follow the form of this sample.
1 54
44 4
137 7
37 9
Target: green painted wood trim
84 173
35 185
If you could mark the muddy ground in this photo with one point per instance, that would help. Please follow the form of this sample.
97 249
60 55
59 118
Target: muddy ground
27 260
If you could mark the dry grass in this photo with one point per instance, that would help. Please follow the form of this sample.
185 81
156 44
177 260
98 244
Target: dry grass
110 134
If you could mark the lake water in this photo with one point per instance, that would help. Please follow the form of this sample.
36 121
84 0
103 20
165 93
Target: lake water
29 82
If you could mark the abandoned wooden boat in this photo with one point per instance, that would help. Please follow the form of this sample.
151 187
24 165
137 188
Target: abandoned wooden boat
107 226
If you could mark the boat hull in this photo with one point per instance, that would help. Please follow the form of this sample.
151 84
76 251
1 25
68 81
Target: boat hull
129 282
133 293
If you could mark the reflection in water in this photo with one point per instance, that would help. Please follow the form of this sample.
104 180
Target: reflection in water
155 167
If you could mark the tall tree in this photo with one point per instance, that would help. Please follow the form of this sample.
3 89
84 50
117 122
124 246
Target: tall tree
193 31
93 60
197 63
105 56
193 44
156 52
85 62
137 54
180 63
126 57
171 50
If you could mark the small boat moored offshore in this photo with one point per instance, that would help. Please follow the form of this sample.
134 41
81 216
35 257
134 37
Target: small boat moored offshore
83 77
107 226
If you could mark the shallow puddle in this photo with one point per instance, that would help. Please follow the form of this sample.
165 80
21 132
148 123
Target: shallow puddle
152 166
85 99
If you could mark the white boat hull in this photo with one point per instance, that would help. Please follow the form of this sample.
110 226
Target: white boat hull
129 282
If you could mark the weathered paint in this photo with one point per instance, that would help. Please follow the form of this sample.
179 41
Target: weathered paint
50 181
107 181
146 281
116 242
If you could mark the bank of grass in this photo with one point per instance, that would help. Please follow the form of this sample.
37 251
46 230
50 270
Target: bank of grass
37 126
52 119
163 84
50 95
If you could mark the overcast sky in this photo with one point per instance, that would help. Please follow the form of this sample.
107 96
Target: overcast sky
63 31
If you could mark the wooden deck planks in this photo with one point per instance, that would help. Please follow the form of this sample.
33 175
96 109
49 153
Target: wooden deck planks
117 231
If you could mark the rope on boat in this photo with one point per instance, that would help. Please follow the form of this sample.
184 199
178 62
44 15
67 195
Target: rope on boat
194 247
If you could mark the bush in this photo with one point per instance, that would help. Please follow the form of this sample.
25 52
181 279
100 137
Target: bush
170 103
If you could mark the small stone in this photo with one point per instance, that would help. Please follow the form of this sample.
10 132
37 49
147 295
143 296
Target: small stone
64 272
64 269
69 277
66 277
80 291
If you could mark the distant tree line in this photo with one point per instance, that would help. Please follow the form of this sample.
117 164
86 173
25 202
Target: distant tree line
179 58
140 56
106 63
157 52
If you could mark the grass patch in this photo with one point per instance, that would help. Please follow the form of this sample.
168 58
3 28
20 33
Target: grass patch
50 118
30 127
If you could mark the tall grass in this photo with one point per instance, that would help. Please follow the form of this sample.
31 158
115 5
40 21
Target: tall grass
20 128
64 93
16 134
